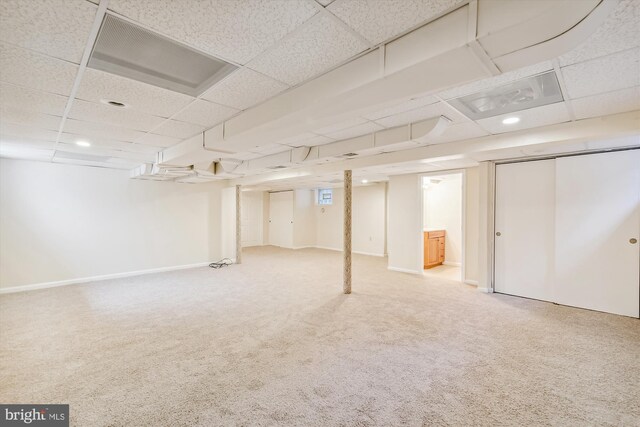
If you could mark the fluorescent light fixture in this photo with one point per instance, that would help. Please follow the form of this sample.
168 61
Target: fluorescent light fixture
83 144
523 94
511 120
364 181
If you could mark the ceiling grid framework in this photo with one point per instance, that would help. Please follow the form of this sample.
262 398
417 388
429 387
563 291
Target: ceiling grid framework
289 42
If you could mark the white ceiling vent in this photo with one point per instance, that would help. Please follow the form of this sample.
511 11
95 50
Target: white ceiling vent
130 51
81 156
523 94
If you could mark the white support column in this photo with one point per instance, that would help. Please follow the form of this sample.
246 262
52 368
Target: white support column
238 226
485 233
347 232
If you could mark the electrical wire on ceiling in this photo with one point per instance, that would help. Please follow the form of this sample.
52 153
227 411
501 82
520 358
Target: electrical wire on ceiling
222 263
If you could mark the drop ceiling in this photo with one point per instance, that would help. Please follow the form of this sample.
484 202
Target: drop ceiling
275 45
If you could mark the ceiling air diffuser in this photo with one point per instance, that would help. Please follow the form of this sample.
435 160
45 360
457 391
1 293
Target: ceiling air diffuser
134 52
520 95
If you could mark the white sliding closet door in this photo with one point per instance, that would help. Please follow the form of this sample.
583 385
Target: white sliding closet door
597 216
251 218
281 219
524 225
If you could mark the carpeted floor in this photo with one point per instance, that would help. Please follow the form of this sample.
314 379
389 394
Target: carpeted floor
274 342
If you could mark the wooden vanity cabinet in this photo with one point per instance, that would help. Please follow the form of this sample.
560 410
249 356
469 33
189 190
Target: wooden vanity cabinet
433 248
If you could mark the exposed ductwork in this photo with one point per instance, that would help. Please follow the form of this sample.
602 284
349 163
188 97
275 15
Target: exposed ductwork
478 40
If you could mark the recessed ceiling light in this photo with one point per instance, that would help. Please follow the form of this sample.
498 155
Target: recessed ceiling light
364 181
511 120
83 143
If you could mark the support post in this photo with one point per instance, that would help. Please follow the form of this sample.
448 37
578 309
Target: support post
347 231
238 227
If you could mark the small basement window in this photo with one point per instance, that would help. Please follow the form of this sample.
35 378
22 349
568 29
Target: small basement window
325 196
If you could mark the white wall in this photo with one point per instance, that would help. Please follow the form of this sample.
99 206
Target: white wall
304 219
63 222
228 223
443 211
368 220
252 218
471 225
405 236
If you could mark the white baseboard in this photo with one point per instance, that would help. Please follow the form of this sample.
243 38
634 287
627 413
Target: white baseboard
340 250
404 270
24 288
471 282
485 290
453 264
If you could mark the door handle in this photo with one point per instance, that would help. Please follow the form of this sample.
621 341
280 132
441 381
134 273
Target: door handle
498 234
633 241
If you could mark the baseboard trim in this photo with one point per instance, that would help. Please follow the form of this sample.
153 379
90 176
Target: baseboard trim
485 290
453 264
340 250
404 270
45 285
471 282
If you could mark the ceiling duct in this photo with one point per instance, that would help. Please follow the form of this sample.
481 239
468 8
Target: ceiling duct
523 94
134 52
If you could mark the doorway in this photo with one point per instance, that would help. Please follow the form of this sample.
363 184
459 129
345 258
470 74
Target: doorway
442 220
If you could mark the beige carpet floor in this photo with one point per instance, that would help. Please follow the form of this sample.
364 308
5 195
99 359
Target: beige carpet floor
274 342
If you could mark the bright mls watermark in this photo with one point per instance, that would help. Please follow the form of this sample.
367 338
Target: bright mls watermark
34 415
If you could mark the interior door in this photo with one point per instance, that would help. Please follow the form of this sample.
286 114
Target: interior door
524 226
597 219
281 219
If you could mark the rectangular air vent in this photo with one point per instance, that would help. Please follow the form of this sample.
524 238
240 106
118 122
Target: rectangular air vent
531 92
131 51
81 156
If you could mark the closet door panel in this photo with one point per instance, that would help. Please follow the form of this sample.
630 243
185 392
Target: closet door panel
524 225
597 218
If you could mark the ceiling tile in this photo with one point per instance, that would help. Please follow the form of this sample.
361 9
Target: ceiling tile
619 32
325 3
496 81
362 129
98 85
57 28
19 141
401 107
178 129
607 103
205 113
613 72
31 100
21 150
99 150
379 21
244 156
14 130
231 29
35 71
422 113
243 89
100 130
532 118
29 118
317 47
112 143
157 140
457 132
122 117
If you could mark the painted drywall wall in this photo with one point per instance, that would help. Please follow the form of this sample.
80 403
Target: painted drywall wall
304 219
368 220
228 223
443 211
62 222
405 223
252 218
471 225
